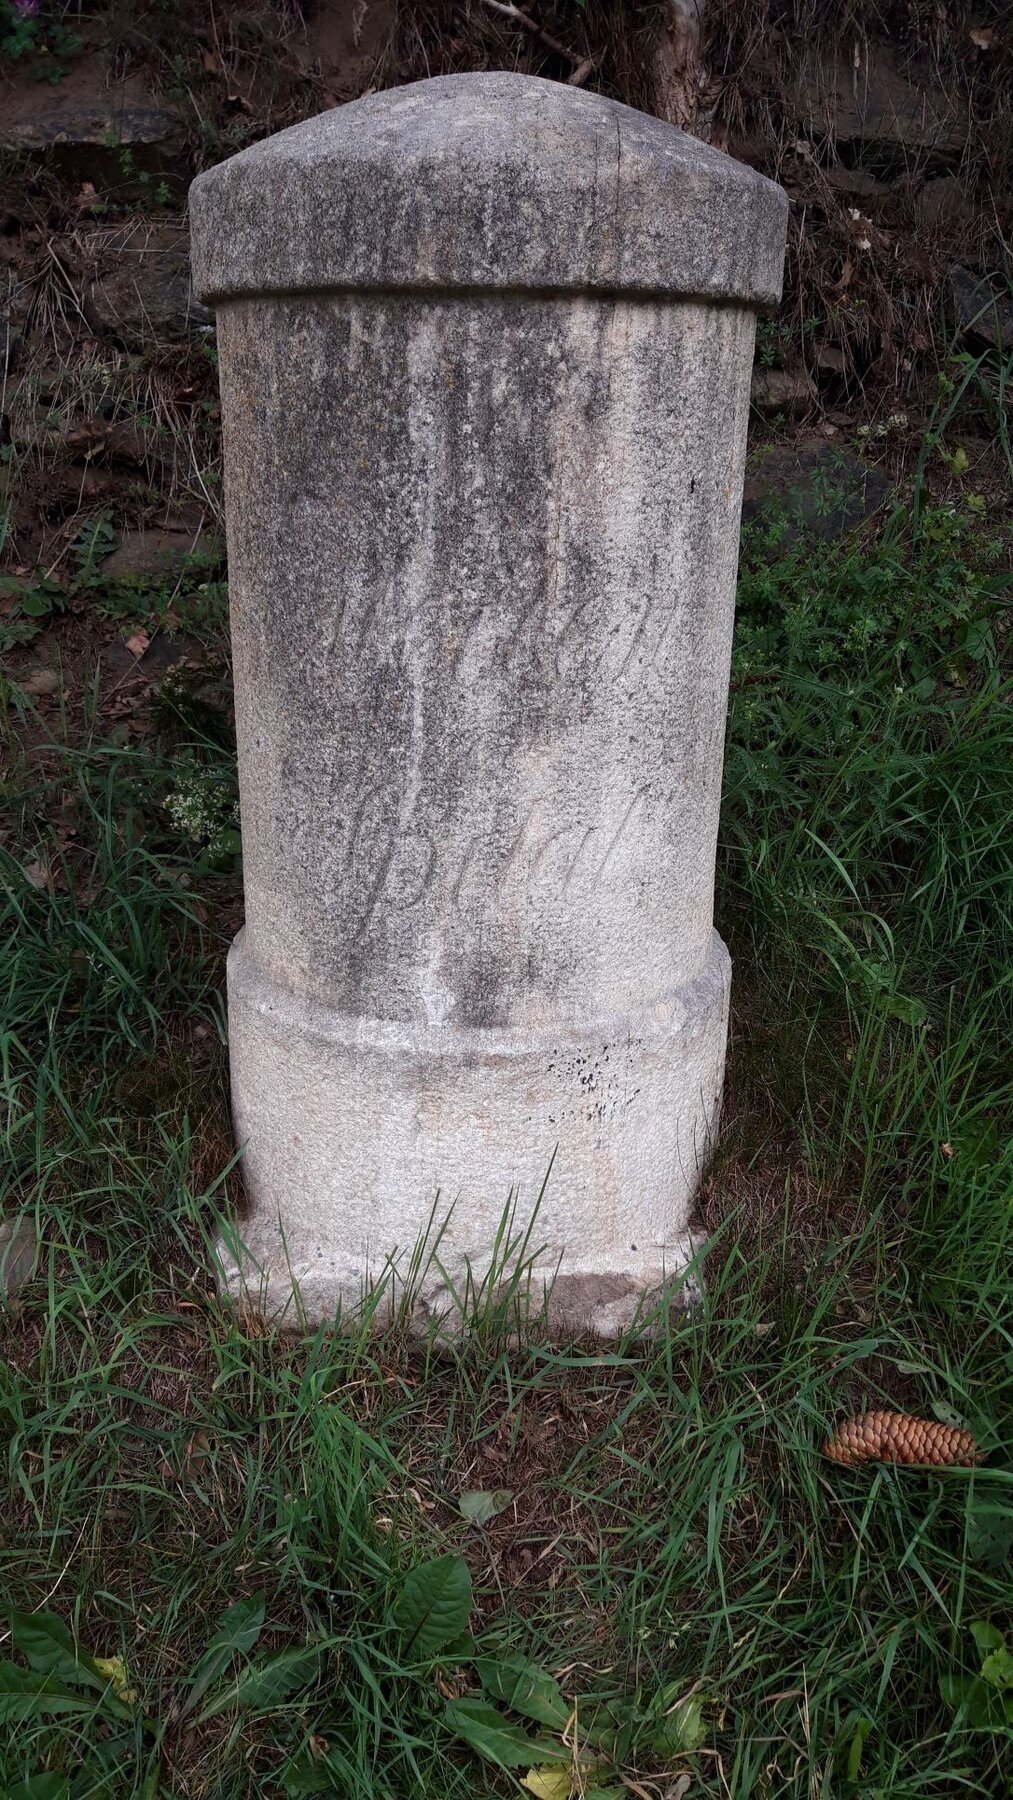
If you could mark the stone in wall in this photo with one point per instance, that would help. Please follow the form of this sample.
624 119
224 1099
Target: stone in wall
136 281
818 488
980 310
788 391
878 103
92 130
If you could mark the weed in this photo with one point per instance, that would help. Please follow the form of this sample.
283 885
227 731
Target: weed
31 604
29 34
148 194
201 804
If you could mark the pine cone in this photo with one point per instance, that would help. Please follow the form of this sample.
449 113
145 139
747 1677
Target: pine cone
896 1437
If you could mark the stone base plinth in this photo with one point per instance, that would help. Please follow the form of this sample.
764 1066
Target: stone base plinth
362 1133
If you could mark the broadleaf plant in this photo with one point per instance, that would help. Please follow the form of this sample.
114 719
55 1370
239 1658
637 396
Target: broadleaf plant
433 1607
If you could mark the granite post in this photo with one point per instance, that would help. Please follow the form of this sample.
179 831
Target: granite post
485 347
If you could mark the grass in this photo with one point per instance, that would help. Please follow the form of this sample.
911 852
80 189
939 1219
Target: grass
237 1514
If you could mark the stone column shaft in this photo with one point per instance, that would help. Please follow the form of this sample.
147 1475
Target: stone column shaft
485 346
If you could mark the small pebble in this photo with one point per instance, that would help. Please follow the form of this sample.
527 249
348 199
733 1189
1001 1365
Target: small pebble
42 681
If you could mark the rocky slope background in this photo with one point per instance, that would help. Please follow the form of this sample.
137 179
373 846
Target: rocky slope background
889 125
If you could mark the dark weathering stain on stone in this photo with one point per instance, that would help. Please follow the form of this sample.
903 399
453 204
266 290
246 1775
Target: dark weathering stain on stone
458 636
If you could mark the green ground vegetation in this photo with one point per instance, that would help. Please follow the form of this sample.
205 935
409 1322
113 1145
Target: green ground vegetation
245 1561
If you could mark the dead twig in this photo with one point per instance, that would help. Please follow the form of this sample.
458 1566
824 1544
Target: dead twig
581 72
527 23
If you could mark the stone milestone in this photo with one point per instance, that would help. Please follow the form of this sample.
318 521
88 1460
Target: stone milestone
485 347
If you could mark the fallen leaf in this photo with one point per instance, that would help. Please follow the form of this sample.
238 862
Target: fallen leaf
37 874
195 1452
138 644
683 1729
480 1505
548 1783
983 37
114 1668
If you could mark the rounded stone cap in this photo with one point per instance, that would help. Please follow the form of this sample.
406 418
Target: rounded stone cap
487 181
